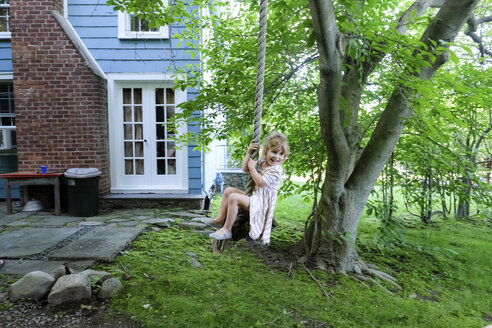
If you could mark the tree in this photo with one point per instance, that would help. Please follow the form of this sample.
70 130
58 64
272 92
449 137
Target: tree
352 172
358 44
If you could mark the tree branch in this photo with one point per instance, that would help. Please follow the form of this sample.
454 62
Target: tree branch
444 28
330 67
472 28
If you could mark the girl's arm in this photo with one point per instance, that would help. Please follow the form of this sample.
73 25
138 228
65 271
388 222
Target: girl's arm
258 179
252 146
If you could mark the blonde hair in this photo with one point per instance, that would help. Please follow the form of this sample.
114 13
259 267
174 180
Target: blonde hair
276 140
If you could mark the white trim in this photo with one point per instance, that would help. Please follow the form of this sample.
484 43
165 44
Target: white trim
163 190
134 77
65 8
125 33
6 77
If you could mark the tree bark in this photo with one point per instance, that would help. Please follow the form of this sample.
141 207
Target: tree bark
330 237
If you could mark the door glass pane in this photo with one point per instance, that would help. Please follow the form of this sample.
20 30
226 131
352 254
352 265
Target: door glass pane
127 113
139 167
171 150
128 131
139 150
138 114
159 131
128 149
170 132
161 166
171 166
169 96
169 112
160 149
159 114
128 166
159 96
137 96
127 96
138 131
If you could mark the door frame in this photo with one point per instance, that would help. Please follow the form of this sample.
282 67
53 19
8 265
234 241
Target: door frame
117 186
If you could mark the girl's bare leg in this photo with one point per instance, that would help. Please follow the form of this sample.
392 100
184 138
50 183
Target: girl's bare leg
221 217
235 201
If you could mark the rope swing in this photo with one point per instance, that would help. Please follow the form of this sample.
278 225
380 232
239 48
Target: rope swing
241 225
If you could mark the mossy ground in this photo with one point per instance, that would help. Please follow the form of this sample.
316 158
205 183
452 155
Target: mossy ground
448 285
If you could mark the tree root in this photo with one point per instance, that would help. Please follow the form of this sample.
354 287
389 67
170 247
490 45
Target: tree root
362 278
316 280
371 270
360 271
385 277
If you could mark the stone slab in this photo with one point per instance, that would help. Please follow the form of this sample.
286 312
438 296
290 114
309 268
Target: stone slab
22 267
55 221
192 226
129 223
89 223
204 220
159 222
19 223
31 241
101 244
6 219
186 215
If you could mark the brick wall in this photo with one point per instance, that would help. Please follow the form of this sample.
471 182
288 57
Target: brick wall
60 104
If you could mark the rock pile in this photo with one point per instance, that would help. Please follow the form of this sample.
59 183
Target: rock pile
62 287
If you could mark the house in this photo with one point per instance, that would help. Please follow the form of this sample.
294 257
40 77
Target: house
92 88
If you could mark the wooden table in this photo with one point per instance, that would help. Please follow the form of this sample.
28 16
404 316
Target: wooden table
31 179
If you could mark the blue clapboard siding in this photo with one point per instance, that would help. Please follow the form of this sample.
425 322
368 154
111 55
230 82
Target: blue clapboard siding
8 163
97 25
5 56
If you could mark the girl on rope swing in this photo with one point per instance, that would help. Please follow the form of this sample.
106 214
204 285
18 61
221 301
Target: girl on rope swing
267 175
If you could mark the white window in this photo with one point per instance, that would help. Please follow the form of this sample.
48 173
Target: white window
7 116
5 19
132 27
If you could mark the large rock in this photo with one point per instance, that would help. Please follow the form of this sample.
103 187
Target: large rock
109 287
96 276
34 285
60 271
72 288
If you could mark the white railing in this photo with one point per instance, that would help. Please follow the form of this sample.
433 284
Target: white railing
224 159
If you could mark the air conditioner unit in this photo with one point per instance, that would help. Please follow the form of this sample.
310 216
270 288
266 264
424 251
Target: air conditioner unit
8 139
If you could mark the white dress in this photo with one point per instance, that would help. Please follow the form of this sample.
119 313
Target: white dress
262 203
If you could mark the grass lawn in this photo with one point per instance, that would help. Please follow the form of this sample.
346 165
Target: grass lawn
448 287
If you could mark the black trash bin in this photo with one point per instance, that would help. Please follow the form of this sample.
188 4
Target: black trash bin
83 191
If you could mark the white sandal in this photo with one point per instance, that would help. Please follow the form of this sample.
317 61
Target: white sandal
221 234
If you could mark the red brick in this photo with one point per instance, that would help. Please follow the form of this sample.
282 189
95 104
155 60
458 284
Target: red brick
61 113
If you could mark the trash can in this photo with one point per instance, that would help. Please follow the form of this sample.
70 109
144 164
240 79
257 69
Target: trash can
83 191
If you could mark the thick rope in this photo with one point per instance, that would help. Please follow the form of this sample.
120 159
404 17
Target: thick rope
260 78
220 245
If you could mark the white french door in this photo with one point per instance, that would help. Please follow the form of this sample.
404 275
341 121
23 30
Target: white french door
144 157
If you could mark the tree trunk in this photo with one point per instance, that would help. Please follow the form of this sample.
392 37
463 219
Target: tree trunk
329 240
464 200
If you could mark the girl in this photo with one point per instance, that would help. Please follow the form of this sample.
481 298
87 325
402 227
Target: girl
267 175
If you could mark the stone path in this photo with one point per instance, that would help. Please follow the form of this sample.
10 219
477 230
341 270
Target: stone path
41 241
